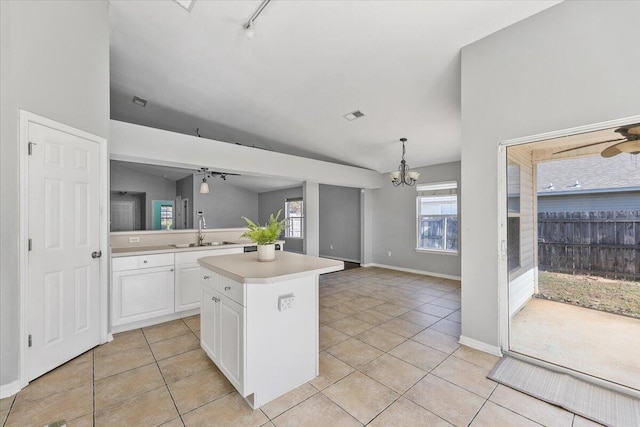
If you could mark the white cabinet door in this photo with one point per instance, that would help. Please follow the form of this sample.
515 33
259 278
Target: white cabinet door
187 287
231 360
210 323
141 294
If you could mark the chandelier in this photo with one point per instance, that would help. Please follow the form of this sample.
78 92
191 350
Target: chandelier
403 176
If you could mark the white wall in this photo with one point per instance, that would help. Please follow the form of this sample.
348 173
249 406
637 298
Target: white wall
271 202
54 59
339 226
571 65
395 228
142 144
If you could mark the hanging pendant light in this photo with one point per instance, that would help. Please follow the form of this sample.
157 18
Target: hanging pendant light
403 175
204 186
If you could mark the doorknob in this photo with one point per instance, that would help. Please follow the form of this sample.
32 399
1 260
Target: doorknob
96 254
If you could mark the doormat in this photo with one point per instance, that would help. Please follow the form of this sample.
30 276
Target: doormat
588 400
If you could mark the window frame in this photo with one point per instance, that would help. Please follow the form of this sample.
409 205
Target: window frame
512 213
288 218
437 186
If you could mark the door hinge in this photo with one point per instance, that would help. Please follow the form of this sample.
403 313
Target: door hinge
31 144
30 244
30 341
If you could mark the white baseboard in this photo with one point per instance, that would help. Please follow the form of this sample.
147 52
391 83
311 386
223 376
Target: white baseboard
10 389
357 261
412 270
479 345
154 321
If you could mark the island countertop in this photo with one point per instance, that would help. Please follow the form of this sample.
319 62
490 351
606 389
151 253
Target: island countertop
245 268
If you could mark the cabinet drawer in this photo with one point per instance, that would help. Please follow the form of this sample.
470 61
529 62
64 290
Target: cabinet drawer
208 277
192 256
231 289
141 261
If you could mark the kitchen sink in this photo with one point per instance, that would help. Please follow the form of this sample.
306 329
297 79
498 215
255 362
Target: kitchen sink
196 245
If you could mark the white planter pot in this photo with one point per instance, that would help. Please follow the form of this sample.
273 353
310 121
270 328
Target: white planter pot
267 252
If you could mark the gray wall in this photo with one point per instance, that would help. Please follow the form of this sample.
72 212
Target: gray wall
54 61
184 189
628 200
155 187
395 228
340 222
225 205
571 65
271 202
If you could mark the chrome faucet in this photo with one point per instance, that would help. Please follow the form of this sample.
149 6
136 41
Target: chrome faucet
202 223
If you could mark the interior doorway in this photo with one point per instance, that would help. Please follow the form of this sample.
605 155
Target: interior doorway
163 214
127 210
572 234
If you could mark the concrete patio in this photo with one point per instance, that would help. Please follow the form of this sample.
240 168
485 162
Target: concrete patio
600 344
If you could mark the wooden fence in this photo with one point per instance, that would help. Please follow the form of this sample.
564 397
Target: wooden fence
597 243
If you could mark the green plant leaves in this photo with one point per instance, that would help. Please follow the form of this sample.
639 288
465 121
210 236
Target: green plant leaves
267 234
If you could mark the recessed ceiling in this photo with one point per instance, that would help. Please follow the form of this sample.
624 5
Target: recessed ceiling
288 88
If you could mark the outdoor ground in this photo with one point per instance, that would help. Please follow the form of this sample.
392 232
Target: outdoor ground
613 296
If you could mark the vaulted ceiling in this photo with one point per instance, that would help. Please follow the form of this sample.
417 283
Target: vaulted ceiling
310 63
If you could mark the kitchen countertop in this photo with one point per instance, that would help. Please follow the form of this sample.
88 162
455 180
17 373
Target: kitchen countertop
245 268
161 249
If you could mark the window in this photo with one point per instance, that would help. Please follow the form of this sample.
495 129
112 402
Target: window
513 216
294 216
437 208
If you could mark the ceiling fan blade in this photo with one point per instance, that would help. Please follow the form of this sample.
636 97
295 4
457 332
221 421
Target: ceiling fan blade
632 147
611 151
588 145
634 130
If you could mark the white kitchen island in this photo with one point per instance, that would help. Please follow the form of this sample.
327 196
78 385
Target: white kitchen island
259 320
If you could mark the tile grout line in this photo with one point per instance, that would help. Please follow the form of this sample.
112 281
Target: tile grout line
162 375
357 369
13 402
93 377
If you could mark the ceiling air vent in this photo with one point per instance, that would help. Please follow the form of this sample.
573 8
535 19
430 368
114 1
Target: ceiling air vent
354 115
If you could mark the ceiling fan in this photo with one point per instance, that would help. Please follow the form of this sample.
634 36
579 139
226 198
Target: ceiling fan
629 143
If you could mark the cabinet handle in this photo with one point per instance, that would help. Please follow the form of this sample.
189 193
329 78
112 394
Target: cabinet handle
145 261
171 269
227 288
206 277
215 299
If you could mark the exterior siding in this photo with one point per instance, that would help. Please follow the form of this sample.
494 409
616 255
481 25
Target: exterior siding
522 280
589 202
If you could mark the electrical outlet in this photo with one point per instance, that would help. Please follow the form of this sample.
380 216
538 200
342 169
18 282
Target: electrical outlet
330 246
286 302
389 253
134 240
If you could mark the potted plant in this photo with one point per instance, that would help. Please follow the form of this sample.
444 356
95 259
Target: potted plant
265 236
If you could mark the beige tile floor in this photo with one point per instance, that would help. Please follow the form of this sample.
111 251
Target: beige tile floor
594 342
389 357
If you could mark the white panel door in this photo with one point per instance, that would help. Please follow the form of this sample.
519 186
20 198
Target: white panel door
187 287
123 215
210 323
141 294
63 306
232 342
